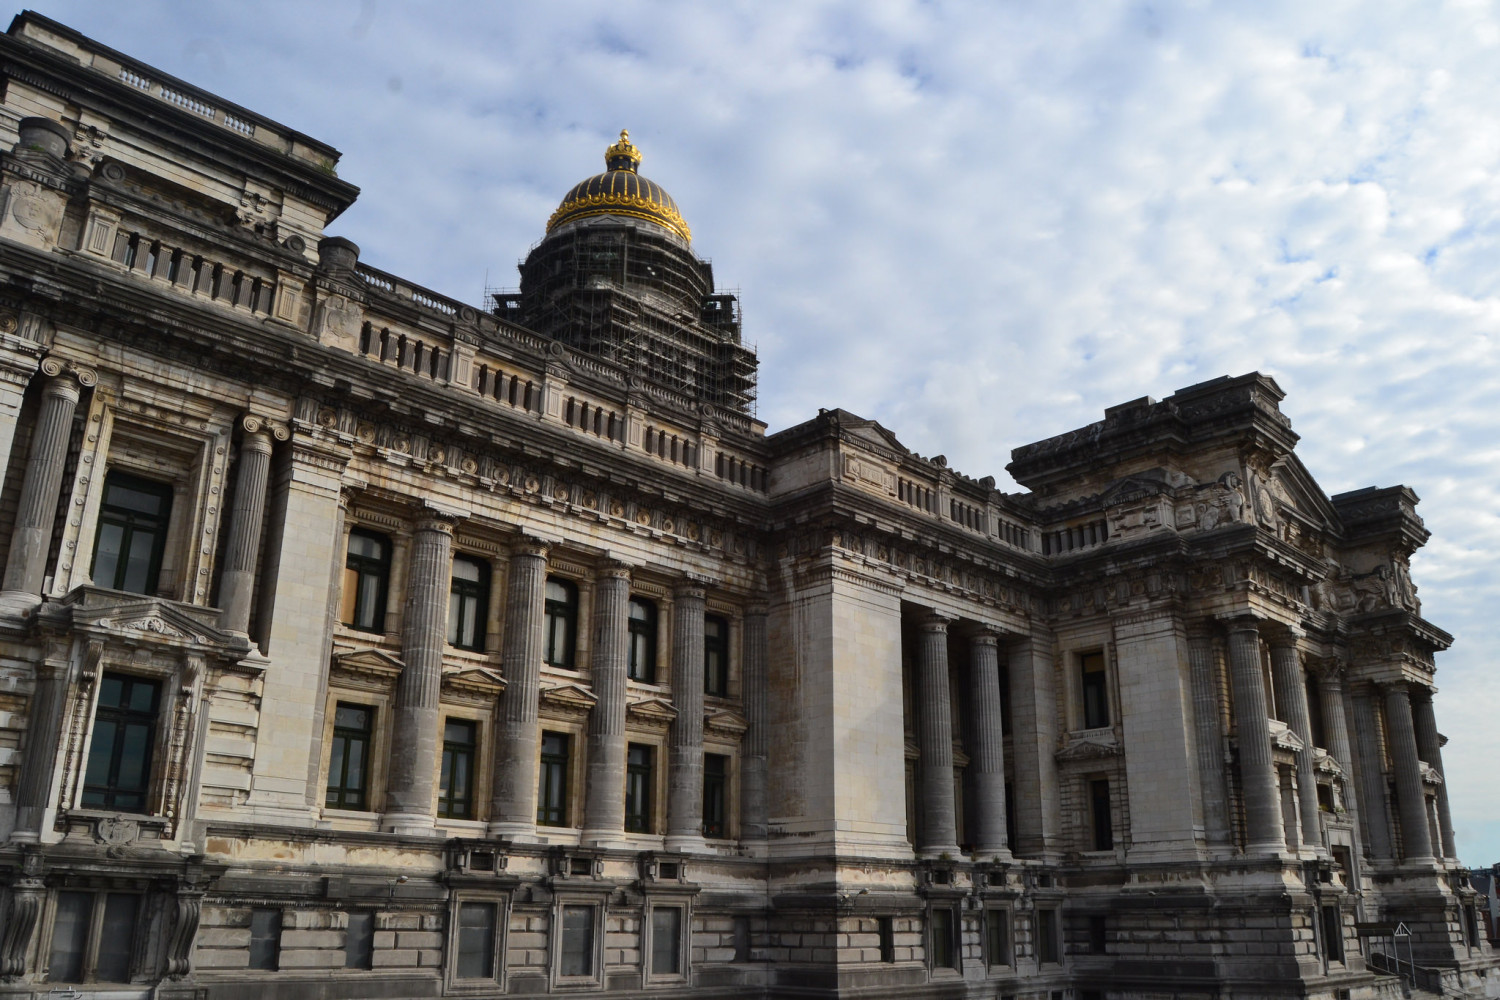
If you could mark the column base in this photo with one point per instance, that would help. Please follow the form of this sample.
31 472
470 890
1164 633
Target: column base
18 603
686 843
941 852
609 839
999 855
408 825
510 830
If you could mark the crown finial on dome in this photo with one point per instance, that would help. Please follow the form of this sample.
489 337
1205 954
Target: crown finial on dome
623 155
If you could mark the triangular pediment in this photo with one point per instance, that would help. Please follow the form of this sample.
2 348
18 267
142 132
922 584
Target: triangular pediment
475 681
651 711
726 723
1132 489
569 696
1295 487
152 618
1094 746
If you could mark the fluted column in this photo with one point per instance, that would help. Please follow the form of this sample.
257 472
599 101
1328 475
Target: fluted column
939 826
43 736
1034 714
1291 700
513 803
754 804
416 730
1375 829
1208 737
685 741
1411 799
1429 746
18 364
987 761
237 586
604 807
27 561
1263 828
1336 730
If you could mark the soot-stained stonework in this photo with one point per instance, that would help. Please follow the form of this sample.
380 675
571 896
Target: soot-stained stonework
360 642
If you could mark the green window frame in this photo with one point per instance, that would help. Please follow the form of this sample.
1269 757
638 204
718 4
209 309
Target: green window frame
552 781
638 774
456 775
643 640
715 656
349 757
468 603
715 795
118 775
561 609
367 574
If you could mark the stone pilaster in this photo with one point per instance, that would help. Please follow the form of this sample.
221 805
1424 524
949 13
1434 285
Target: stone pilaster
27 561
754 652
1034 715
604 807
513 804
685 741
18 363
415 736
1208 736
1429 746
1411 799
1263 829
1375 828
1291 700
237 586
935 774
987 759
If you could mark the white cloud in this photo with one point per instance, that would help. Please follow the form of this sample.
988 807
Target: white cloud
981 223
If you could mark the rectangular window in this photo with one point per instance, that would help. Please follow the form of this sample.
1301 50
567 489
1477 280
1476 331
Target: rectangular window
742 939
349 756
359 941
1099 815
715 789
666 940
715 656
887 929
552 781
642 664
997 937
367 569
468 602
119 766
944 954
265 939
76 940
476 941
1098 935
638 788
576 956
1047 949
70 935
1095 691
1333 934
456 778
132 533
562 622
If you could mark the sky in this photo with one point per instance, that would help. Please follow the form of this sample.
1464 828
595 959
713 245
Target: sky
980 223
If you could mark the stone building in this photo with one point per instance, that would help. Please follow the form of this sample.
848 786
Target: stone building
360 642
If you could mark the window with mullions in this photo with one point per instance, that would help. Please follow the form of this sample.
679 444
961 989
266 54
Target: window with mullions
997 937
715 794
576 949
132 533
93 936
367 571
477 923
119 767
642 640
468 600
265 939
666 940
456 777
638 788
552 781
715 655
944 953
1095 691
562 622
349 757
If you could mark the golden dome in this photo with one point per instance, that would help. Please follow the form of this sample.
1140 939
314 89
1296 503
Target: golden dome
620 190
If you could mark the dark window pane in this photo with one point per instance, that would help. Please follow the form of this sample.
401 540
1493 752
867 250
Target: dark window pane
359 941
112 961
998 946
942 938
107 553
119 765
70 931
577 949
666 940
1095 691
638 788
456 776
715 655
265 939
367 571
715 782
552 781
1104 836
476 941
347 755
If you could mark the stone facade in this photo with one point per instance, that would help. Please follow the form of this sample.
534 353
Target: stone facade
359 642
